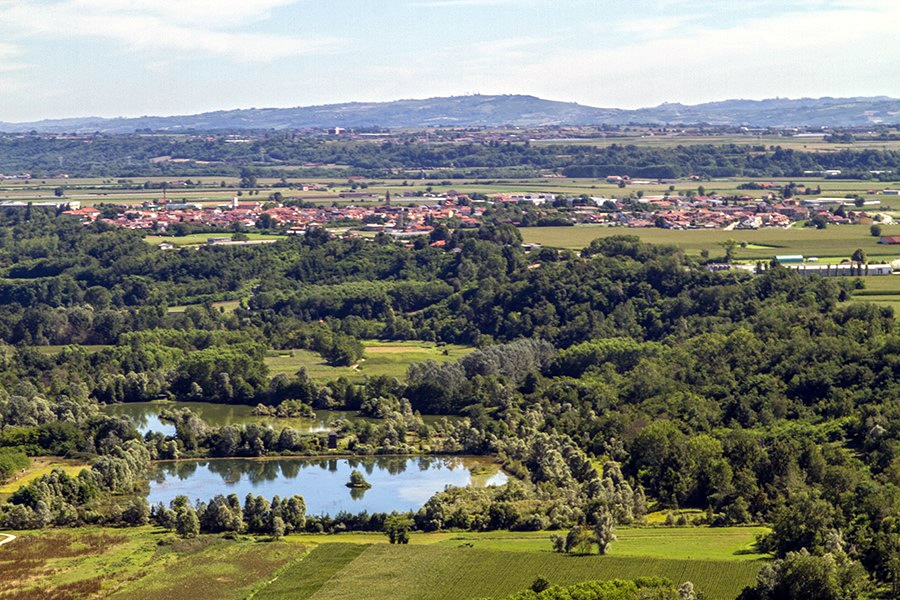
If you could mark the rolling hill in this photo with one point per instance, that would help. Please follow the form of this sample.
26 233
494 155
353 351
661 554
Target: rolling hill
495 111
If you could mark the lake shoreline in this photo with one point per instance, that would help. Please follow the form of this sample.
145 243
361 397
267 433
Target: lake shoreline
342 456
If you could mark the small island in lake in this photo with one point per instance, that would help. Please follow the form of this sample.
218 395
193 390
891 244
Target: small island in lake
357 481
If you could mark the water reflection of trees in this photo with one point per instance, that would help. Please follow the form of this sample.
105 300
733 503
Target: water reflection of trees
357 493
256 471
259 471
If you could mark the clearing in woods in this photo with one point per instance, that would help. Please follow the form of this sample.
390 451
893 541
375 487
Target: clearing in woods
380 358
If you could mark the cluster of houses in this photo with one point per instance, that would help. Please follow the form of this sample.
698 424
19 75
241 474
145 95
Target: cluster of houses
664 211
405 221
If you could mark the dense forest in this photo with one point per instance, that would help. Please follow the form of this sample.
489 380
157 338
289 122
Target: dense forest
131 156
606 381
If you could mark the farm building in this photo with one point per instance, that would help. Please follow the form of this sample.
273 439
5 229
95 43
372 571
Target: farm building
789 258
843 270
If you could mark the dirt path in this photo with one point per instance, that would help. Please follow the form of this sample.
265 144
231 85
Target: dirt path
9 537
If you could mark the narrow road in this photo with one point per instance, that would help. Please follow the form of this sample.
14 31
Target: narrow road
9 537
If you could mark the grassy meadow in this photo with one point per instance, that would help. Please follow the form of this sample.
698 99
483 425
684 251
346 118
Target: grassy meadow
149 563
491 564
198 239
380 358
40 466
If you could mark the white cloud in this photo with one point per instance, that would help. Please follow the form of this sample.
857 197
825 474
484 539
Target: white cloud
842 51
166 25
453 3
9 56
195 12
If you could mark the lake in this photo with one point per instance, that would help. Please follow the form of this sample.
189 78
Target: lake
145 416
398 483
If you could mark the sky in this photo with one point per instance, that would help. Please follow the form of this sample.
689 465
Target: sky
68 58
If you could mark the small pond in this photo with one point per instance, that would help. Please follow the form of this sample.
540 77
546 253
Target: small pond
398 483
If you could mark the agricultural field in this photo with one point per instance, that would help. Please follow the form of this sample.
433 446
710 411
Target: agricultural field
837 241
40 466
95 191
149 563
473 565
57 348
884 291
226 306
800 144
197 239
142 563
380 358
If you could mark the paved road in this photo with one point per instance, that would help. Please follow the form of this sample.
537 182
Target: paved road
9 537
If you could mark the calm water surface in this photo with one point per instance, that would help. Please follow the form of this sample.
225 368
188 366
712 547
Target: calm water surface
398 483
145 416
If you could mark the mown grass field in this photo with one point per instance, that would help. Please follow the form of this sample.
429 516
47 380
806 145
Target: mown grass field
197 239
834 241
56 349
884 291
226 306
380 358
40 466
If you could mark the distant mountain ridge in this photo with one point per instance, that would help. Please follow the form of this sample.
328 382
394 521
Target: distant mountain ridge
496 111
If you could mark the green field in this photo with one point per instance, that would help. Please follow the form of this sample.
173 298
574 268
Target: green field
147 562
197 239
305 578
380 358
91 191
40 466
834 241
226 306
800 144
57 348
456 570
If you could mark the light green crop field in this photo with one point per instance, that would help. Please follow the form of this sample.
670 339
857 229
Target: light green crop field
683 543
884 291
380 358
226 306
432 572
40 466
834 241
56 349
306 577
196 239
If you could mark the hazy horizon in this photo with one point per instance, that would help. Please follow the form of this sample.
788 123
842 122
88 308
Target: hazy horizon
110 58
238 108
